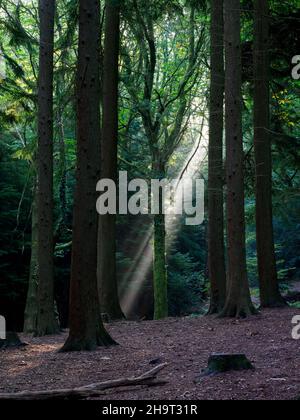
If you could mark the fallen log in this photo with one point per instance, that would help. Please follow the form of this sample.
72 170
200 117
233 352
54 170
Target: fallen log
88 391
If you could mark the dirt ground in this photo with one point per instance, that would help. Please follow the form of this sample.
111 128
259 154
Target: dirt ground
185 344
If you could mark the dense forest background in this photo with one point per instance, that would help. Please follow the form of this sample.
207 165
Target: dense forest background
170 23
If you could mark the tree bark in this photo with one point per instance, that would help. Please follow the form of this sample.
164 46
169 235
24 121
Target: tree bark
107 274
46 322
269 290
216 252
31 308
238 302
160 276
86 328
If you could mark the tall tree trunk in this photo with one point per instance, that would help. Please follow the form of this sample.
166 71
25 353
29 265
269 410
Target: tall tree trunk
86 327
31 308
238 302
269 289
107 275
216 252
46 321
160 276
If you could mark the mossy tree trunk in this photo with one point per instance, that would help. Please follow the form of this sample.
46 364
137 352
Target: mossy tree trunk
269 288
216 251
160 276
86 328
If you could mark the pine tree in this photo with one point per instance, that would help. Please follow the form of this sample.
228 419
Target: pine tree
238 302
107 275
86 327
269 289
216 257
46 322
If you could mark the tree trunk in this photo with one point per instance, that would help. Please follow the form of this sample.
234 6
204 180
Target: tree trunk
238 302
62 170
216 252
160 270
32 298
107 275
86 327
46 322
269 289
160 276
62 227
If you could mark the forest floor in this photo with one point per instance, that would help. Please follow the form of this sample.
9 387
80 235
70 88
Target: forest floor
185 344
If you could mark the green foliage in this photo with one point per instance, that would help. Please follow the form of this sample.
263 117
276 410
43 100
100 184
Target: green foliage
186 286
15 203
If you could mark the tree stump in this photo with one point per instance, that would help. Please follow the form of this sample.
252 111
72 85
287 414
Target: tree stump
12 340
221 363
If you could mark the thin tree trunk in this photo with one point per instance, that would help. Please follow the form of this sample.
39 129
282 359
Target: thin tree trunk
61 228
46 321
107 275
160 270
216 252
160 276
269 289
86 327
31 309
238 302
60 89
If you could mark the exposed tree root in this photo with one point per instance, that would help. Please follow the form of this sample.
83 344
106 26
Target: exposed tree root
275 303
74 344
232 310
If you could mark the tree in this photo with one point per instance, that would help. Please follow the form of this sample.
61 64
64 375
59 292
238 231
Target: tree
238 301
164 99
86 327
107 275
216 252
46 322
269 290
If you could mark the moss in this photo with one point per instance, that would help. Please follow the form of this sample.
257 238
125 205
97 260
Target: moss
160 271
220 363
